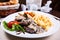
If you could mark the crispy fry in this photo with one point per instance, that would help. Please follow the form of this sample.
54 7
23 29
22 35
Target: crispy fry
41 20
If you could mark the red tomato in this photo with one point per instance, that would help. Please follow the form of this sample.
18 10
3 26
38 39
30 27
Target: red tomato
15 22
11 23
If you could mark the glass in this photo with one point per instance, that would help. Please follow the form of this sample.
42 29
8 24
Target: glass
36 3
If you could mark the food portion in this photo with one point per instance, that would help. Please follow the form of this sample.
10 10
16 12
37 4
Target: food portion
29 22
8 2
8 7
4 13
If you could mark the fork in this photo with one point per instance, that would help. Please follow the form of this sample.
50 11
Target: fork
56 18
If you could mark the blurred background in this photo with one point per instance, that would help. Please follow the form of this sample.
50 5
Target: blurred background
55 5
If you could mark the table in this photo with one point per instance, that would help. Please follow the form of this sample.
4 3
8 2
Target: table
5 36
55 13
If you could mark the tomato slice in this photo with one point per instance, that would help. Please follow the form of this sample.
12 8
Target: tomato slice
11 23
15 22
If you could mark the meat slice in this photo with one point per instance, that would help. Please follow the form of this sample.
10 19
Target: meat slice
24 23
29 30
19 18
40 30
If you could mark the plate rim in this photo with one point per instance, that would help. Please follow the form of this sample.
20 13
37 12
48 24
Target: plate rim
27 37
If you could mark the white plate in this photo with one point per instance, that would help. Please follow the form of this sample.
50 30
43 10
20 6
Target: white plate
51 31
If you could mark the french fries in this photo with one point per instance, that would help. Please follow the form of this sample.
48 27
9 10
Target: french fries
41 20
